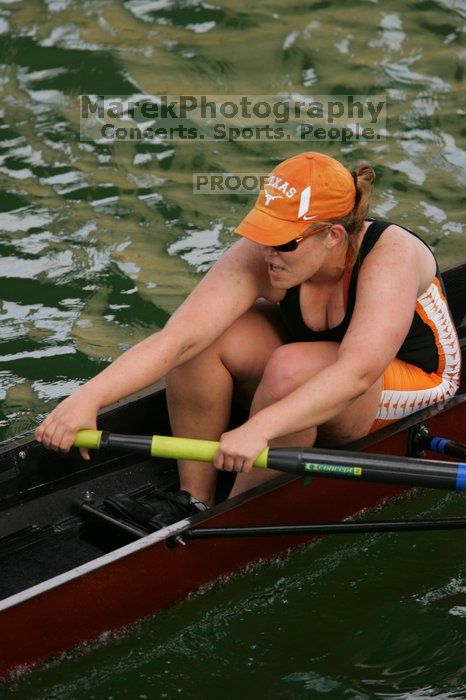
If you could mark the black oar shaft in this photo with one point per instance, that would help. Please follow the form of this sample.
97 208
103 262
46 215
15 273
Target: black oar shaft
378 526
419 439
337 464
447 447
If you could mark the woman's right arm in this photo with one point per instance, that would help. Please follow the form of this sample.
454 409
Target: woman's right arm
227 291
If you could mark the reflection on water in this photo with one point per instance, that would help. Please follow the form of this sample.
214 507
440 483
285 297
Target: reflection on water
100 243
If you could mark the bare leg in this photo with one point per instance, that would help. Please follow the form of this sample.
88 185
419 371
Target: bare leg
199 396
199 392
304 438
289 368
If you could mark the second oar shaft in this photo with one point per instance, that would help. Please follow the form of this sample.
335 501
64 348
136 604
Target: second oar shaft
345 528
447 447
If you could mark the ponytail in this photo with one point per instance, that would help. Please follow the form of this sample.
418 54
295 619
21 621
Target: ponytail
364 178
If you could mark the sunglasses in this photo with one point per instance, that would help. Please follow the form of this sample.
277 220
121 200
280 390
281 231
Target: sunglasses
293 244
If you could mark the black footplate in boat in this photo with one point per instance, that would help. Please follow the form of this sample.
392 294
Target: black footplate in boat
160 509
107 521
134 514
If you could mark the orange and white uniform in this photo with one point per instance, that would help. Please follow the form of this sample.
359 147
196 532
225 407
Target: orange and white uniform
427 367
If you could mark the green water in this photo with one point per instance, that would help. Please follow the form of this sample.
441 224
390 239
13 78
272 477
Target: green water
100 243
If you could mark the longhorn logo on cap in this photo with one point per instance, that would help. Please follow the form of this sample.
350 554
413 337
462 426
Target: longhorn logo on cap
270 197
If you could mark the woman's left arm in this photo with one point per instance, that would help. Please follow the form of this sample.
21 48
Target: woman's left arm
388 286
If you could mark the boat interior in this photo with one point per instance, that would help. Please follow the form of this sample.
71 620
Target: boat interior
51 513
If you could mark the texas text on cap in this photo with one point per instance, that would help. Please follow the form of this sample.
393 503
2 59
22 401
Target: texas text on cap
307 188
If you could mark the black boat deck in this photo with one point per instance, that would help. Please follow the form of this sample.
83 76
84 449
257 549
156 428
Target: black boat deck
45 537
42 532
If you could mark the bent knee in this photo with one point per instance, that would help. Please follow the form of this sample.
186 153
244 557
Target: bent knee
245 347
295 363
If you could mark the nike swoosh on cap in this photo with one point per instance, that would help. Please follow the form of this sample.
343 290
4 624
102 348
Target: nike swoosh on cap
304 203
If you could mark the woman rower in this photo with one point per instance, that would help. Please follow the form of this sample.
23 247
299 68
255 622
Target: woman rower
322 321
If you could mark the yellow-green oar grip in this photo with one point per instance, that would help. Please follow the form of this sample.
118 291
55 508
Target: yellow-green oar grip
88 438
261 459
198 450
160 446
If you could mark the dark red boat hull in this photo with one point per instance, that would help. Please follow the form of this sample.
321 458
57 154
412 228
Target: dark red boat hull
147 576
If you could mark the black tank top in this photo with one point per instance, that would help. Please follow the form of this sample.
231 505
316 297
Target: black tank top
426 339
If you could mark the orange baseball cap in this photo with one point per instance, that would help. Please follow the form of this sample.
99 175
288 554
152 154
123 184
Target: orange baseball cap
308 187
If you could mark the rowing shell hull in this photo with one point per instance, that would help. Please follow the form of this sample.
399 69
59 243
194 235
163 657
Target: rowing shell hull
147 576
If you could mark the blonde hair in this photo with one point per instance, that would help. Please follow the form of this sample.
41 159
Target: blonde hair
364 178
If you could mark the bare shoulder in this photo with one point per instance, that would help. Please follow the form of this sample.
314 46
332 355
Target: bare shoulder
248 252
244 261
229 289
398 247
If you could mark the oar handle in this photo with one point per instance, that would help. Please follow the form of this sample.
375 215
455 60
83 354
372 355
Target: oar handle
89 439
157 446
336 464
